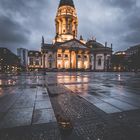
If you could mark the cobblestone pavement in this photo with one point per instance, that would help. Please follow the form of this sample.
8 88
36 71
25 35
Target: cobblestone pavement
28 110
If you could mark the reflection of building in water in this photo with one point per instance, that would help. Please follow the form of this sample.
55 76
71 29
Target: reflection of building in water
68 52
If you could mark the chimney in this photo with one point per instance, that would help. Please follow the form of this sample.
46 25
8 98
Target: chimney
105 44
81 37
42 40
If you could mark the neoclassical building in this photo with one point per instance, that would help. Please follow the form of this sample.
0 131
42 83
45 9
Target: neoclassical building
67 51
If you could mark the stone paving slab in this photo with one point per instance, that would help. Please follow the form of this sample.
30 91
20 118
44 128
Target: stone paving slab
7 102
91 98
43 116
42 97
107 108
17 117
119 104
109 105
41 90
58 89
23 104
43 104
30 90
28 97
134 102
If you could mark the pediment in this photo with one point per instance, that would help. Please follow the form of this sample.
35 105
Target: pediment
73 44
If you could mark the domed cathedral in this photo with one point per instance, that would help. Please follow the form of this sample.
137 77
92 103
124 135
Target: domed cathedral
67 52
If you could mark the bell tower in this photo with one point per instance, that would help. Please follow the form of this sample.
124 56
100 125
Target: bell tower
66 21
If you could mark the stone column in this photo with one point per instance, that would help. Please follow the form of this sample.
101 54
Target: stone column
70 60
43 60
63 58
76 59
56 60
89 61
83 60
61 26
105 62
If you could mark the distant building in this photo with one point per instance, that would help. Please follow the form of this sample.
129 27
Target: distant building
119 61
67 51
34 60
133 50
133 58
128 60
23 56
9 62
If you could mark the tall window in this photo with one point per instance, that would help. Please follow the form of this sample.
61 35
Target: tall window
99 62
50 65
31 61
37 62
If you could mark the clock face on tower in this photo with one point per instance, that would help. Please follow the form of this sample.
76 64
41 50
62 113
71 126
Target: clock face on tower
66 21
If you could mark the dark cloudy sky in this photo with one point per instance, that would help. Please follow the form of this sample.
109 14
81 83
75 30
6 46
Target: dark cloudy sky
23 22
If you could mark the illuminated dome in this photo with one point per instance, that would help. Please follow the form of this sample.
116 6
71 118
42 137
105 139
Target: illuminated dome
66 3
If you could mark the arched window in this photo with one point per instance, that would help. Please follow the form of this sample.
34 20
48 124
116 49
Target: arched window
50 65
99 62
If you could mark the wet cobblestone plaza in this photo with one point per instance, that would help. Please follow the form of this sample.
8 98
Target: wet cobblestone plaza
101 106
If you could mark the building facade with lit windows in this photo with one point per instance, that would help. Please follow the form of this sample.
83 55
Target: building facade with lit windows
9 62
67 51
34 60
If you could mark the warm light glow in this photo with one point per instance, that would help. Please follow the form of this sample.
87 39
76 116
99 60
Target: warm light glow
80 64
86 65
66 65
66 24
59 64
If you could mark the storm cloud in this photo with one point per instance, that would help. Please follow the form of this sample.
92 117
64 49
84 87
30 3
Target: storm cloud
11 31
23 22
